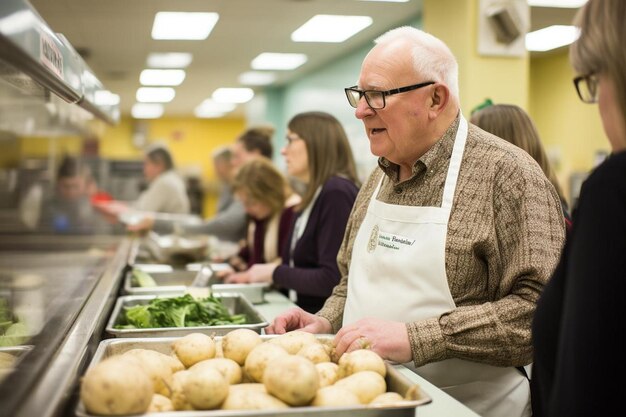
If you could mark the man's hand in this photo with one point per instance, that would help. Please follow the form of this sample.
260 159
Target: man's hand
389 339
296 318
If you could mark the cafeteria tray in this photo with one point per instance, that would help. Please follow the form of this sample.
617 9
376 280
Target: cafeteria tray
177 281
395 380
234 302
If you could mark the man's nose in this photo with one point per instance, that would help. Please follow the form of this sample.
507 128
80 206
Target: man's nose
363 109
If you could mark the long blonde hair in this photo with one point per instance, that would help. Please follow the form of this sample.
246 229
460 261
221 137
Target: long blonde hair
514 125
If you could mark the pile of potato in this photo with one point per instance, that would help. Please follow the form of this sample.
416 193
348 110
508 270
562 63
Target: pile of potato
237 372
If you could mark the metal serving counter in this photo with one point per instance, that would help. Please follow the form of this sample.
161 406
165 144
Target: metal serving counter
72 283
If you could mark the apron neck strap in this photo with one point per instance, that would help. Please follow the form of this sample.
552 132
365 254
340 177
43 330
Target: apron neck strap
455 164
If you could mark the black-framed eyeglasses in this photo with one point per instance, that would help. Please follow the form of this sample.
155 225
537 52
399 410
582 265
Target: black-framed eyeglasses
376 99
587 87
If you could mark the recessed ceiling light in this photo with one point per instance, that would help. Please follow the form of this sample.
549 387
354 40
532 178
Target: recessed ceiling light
211 106
147 111
257 78
169 60
233 95
278 61
155 94
161 77
205 114
569 4
330 28
106 98
551 37
183 25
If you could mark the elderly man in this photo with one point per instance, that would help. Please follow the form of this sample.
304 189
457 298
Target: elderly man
451 239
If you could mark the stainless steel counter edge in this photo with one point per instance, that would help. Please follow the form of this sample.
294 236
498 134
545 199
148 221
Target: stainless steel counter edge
49 398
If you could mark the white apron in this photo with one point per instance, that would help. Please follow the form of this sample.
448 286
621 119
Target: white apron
398 271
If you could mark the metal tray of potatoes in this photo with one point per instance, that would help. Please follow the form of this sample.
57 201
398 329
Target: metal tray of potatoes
234 302
395 382
177 282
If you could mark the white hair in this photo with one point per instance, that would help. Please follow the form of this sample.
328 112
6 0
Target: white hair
431 56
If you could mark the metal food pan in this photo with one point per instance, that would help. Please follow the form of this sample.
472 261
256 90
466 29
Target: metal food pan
16 351
177 281
234 302
395 380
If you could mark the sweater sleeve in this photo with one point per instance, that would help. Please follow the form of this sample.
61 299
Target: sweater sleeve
330 214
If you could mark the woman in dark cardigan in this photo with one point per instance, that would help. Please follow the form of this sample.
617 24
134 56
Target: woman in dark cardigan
317 154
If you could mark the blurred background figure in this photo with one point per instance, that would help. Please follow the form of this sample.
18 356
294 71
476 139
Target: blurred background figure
230 222
513 124
318 155
269 203
69 209
165 193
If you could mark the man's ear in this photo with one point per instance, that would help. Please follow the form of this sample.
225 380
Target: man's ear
439 99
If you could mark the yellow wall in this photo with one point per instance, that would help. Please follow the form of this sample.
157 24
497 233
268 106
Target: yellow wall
190 140
570 129
503 79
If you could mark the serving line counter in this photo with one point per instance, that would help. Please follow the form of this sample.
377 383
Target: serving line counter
442 404
79 281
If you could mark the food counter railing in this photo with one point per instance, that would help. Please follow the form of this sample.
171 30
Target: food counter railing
54 392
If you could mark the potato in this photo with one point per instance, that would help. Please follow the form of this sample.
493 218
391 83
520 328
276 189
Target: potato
238 343
367 385
157 365
175 363
160 403
294 340
250 386
193 348
227 367
292 379
240 399
361 360
335 397
205 388
258 358
177 395
116 386
328 373
315 352
388 398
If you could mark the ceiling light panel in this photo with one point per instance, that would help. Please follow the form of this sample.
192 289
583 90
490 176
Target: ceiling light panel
278 61
569 4
330 28
551 37
183 25
233 95
147 111
161 77
390 1
155 94
169 60
211 106
257 78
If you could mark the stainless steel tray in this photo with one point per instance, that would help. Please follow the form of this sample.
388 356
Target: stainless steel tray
394 379
177 281
234 302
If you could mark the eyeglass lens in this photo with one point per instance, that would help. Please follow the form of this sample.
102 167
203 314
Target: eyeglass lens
375 99
588 88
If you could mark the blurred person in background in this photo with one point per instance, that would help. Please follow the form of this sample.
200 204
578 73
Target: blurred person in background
578 367
513 124
450 240
230 222
318 154
166 191
69 210
269 203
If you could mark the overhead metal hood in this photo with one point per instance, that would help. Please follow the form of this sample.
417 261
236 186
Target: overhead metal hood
45 86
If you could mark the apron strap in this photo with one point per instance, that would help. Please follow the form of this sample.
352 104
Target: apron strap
455 164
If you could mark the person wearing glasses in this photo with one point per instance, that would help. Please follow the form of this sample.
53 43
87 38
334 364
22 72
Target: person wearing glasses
317 154
579 322
450 241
